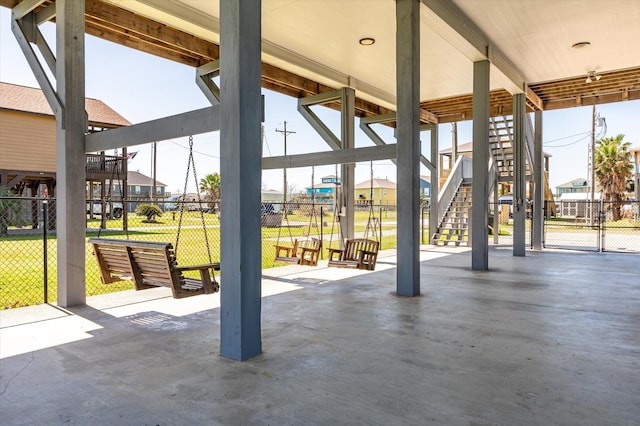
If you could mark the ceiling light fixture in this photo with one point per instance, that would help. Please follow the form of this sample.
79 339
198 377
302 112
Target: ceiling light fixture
367 41
591 75
581 45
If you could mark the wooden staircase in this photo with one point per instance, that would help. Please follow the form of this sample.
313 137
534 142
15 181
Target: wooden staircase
501 147
454 228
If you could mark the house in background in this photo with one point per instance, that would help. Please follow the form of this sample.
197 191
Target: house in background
425 186
378 191
28 146
574 197
325 191
139 190
28 141
574 186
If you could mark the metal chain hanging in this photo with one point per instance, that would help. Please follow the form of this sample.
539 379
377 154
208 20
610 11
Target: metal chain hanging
191 163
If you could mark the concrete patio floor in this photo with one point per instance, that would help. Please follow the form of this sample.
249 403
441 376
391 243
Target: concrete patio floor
549 339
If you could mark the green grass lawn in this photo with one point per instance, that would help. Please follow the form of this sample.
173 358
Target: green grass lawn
22 256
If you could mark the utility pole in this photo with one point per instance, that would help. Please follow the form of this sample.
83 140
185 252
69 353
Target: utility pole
592 163
454 144
285 133
154 148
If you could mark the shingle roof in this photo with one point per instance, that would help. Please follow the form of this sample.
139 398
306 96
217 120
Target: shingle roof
31 100
137 178
377 183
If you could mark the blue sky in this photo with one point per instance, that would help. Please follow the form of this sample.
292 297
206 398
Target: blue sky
142 87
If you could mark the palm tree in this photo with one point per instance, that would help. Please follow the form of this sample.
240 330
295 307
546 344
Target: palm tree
210 185
613 170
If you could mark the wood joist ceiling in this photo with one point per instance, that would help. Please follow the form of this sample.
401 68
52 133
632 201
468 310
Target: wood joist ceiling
109 22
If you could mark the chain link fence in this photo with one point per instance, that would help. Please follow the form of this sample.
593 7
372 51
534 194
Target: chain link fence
28 241
594 226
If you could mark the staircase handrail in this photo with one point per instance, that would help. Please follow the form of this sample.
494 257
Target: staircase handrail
463 168
528 142
493 178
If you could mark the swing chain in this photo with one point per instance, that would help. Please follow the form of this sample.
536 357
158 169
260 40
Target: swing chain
190 163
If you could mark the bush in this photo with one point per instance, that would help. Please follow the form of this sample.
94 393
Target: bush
150 211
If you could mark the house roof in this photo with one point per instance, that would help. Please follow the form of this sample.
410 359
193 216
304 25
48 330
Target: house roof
574 183
31 100
377 183
137 178
465 147
425 178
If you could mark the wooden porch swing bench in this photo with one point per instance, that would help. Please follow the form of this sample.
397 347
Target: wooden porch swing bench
303 252
360 253
151 264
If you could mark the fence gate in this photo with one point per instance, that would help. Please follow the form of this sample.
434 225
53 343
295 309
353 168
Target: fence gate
594 226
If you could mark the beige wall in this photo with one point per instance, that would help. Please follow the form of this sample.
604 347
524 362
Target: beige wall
27 142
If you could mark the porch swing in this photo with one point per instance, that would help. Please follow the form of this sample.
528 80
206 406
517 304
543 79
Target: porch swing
154 264
359 253
302 251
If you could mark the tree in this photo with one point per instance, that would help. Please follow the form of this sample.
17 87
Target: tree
210 185
150 211
613 169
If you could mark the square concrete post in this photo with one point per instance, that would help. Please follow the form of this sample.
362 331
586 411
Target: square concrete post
347 137
241 156
538 184
519 188
408 148
480 186
71 125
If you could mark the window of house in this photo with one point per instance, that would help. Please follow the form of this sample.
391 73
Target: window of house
137 189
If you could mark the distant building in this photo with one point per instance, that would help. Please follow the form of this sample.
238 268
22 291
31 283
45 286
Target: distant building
139 190
576 204
425 186
578 185
325 191
382 191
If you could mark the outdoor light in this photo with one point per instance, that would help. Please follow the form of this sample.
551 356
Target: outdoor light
367 41
581 45
591 75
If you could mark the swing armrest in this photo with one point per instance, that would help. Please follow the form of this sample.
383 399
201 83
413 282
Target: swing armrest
214 265
333 251
288 251
209 282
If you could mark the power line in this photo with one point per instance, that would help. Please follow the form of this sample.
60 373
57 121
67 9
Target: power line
570 143
197 152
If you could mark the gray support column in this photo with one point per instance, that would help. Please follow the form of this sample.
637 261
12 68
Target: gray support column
408 145
480 186
71 125
496 211
347 137
519 188
538 184
241 153
435 183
